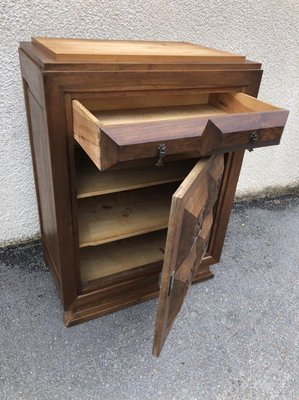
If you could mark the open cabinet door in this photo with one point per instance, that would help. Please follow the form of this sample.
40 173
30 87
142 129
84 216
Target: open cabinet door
190 223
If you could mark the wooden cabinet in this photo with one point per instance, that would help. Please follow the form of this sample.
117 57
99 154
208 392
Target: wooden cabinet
137 149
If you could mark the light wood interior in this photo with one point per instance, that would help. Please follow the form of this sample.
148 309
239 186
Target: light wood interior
213 104
120 215
112 258
156 114
143 99
92 182
235 103
123 217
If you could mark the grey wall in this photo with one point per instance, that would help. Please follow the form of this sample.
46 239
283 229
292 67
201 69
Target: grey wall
265 31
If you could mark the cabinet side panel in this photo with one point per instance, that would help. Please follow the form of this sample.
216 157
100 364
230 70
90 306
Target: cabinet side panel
48 138
43 176
61 141
32 76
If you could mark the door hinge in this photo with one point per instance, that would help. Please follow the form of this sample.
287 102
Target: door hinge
171 281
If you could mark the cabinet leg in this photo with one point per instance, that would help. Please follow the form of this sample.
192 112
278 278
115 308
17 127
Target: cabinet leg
203 274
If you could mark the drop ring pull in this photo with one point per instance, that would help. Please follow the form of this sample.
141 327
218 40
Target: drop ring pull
162 152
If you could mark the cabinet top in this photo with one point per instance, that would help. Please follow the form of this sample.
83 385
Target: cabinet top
115 51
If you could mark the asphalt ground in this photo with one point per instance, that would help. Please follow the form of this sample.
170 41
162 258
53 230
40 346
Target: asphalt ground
235 338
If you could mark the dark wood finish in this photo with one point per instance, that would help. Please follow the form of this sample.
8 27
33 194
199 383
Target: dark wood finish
42 173
225 122
93 304
189 228
231 174
51 86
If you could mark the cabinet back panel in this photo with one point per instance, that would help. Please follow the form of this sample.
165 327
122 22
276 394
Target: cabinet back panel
122 255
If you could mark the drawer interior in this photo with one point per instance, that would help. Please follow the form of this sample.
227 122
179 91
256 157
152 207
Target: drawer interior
132 128
208 105
168 113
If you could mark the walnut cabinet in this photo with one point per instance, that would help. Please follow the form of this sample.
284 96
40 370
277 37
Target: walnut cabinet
137 149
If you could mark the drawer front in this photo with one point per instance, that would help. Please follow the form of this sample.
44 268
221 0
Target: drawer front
226 122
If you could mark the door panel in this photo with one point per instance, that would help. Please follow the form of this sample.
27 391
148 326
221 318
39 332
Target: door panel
190 223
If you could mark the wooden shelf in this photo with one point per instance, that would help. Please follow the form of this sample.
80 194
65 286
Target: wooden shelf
92 182
114 258
116 216
115 117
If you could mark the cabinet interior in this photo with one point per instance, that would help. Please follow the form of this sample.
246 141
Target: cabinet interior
123 217
109 217
122 256
123 213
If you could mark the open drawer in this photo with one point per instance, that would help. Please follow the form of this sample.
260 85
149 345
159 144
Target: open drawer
225 122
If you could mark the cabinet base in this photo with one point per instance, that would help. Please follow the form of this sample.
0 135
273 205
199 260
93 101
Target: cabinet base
83 314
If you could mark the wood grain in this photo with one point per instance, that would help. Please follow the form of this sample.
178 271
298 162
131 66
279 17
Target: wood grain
142 284
131 51
53 83
235 103
116 216
165 113
92 182
48 63
224 124
122 255
43 177
207 81
133 100
190 222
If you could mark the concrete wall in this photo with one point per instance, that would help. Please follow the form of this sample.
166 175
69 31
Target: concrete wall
265 30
